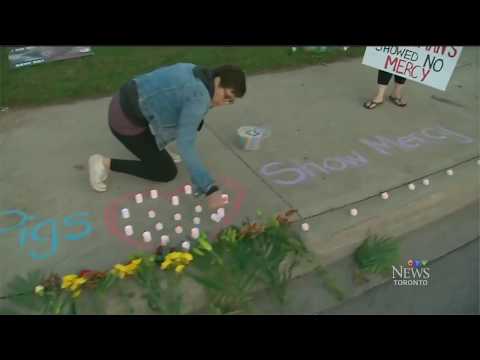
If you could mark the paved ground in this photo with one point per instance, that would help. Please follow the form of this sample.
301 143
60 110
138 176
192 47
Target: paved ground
323 154
453 290
453 287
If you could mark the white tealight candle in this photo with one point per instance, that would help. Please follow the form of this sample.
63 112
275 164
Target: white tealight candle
198 209
125 213
188 189
426 182
195 233
153 194
139 198
449 172
164 240
186 245
159 226
147 236
385 196
178 229
225 198
196 220
129 230
215 218
411 187
175 200
177 217
151 214
354 212
305 227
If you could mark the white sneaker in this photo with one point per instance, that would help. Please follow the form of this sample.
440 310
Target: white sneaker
98 172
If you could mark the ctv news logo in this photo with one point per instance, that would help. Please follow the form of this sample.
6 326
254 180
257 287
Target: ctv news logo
416 273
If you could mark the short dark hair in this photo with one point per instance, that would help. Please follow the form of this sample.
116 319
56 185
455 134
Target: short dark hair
232 77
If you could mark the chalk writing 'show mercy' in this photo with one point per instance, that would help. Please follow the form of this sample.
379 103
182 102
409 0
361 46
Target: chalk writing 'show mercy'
293 174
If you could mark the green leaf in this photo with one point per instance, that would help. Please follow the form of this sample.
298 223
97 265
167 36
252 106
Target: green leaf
205 281
198 252
377 254
107 282
330 283
23 294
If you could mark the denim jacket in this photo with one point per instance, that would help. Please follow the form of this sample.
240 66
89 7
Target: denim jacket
174 102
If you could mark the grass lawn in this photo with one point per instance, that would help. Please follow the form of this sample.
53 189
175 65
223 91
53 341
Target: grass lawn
104 72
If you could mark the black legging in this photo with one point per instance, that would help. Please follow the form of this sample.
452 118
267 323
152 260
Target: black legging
384 78
154 164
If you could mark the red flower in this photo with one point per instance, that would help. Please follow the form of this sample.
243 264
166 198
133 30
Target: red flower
86 273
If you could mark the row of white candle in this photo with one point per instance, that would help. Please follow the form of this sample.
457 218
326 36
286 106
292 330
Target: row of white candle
386 195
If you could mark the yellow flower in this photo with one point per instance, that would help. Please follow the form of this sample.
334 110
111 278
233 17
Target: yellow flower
73 283
79 281
123 270
68 281
174 256
120 270
165 264
188 257
136 262
178 260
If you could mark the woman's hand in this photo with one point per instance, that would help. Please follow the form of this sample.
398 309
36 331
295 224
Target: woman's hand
215 200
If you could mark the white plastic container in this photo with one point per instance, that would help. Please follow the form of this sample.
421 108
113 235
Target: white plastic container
251 137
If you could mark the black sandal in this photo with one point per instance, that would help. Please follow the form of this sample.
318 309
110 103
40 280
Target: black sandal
397 101
370 104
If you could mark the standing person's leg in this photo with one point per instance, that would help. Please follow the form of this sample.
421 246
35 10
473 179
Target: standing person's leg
396 96
382 81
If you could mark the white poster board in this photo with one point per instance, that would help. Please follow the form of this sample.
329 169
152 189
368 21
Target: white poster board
429 65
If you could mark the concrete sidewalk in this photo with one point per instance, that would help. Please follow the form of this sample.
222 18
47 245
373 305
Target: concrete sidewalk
326 154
